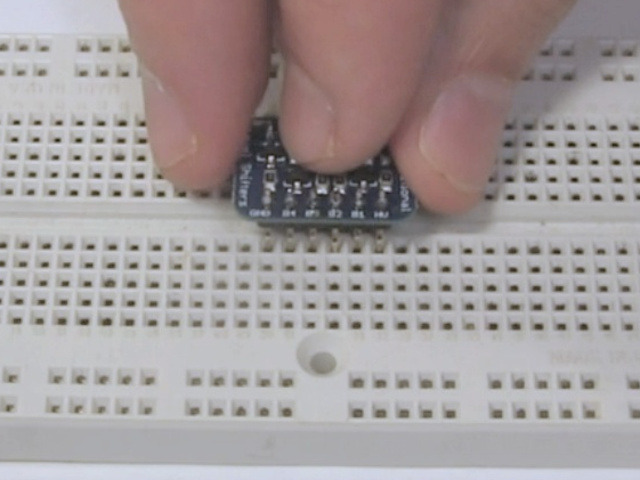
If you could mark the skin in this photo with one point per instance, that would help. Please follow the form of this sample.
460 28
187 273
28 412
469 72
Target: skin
432 78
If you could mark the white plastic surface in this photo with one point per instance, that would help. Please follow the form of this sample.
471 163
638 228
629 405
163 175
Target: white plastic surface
181 472
139 324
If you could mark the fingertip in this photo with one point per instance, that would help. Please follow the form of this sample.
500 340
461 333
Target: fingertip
308 119
187 157
435 192
171 137
194 173
313 127
461 132
345 93
448 150
446 146
204 70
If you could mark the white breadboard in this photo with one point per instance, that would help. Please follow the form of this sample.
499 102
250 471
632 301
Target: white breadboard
139 324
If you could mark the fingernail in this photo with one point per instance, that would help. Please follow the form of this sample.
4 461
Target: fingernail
171 138
310 118
462 132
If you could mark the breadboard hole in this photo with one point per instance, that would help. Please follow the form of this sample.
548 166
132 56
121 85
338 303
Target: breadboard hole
8 405
102 377
222 379
569 285
545 72
403 411
11 375
240 410
103 46
561 47
24 70
543 381
405 381
102 147
25 45
618 48
633 382
544 411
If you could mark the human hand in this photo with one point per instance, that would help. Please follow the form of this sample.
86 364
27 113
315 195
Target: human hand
432 78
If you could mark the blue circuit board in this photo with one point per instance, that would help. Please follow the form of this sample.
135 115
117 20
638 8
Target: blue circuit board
271 188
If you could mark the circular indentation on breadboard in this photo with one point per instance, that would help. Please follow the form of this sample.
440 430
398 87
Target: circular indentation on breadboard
322 354
323 363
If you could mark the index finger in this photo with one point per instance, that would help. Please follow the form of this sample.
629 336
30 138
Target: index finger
205 67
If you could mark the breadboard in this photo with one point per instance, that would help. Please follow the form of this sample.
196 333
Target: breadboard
140 324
